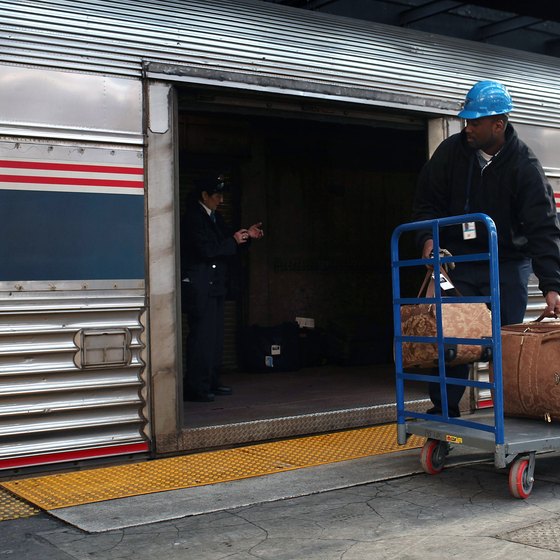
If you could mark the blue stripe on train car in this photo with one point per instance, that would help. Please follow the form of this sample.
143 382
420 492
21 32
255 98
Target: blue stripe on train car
70 236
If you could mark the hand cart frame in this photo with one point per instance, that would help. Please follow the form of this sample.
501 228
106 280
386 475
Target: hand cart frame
513 441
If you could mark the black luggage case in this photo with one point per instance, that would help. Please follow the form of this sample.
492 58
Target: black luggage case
266 349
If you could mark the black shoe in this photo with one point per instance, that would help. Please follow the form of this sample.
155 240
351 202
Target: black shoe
199 397
222 390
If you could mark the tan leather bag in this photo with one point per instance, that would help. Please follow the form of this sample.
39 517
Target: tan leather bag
459 320
531 369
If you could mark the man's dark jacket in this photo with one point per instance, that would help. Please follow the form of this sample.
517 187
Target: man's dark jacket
206 248
512 190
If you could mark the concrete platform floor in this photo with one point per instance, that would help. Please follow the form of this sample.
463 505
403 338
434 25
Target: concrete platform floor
376 508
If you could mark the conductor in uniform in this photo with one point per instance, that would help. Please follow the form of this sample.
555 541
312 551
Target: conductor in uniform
207 246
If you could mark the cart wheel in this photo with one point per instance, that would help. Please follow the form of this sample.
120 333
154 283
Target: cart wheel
520 481
433 456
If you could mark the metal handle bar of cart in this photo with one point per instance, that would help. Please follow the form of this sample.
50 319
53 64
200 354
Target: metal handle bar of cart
494 343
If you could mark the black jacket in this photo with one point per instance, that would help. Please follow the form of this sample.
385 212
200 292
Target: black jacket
512 190
206 248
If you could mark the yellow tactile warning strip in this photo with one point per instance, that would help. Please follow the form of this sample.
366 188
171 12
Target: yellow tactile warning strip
12 507
70 489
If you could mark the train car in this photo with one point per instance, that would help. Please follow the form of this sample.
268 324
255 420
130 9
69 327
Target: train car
108 111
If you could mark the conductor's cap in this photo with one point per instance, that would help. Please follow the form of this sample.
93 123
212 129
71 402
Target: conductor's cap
212 183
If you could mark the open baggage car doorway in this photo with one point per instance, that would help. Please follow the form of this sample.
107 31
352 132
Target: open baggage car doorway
329 188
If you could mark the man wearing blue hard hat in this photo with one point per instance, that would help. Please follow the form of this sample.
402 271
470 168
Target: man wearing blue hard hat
487 168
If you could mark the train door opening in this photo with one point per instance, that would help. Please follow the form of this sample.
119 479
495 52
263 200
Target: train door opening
329 189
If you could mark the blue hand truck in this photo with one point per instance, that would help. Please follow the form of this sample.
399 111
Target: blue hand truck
513 441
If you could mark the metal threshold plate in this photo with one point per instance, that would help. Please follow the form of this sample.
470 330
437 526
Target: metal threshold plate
95 485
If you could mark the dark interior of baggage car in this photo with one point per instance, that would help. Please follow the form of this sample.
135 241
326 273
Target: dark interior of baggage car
329 195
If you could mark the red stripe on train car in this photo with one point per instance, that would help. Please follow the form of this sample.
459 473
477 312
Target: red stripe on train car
76 181
66 456
485 403
86 168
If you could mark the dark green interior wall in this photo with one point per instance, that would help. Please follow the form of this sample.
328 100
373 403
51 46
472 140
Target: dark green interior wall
329 196
332 196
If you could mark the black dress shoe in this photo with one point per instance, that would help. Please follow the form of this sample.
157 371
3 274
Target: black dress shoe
222 390
199 397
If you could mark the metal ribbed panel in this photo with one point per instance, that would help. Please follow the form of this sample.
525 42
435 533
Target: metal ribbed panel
51 403
55 442
243 40
536 302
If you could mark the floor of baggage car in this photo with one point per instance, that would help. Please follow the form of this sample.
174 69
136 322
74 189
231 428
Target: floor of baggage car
313 390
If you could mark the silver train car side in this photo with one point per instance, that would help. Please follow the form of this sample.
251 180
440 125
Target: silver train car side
90 327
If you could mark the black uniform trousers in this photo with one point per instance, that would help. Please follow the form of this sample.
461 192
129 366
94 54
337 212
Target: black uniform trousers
473 279
205 343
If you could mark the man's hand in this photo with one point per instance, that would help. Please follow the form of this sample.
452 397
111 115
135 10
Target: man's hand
255 231
241 236
428 248
552 304
428 253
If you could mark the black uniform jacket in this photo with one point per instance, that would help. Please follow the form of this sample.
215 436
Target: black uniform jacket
512 190
206 248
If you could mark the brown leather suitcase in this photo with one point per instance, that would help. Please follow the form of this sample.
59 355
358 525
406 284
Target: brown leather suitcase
459 320
531 370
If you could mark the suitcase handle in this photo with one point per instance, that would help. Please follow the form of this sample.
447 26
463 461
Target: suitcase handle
545 315
428 285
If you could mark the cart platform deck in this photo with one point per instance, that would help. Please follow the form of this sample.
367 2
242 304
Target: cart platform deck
520 435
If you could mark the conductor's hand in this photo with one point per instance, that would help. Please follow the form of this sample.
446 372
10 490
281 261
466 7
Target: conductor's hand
552 304
255 231
427 251
241 236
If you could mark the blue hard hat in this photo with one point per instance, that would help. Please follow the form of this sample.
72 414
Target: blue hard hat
486 98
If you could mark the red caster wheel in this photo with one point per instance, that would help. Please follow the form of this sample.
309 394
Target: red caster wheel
521 478
433 456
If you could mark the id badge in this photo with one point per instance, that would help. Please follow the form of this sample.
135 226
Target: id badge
469 230
444 283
